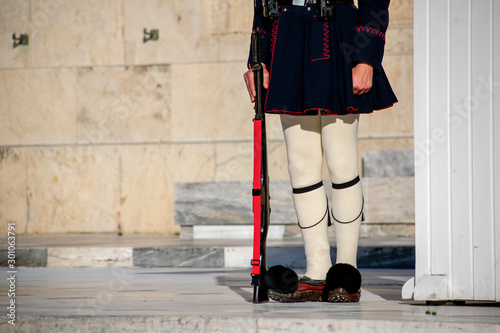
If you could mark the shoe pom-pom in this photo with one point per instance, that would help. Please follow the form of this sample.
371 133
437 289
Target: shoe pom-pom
343 276
281 279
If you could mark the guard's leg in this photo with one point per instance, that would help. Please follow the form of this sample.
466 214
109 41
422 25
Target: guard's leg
339 135
305 159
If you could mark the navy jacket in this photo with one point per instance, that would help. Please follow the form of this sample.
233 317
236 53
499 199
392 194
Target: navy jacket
369 43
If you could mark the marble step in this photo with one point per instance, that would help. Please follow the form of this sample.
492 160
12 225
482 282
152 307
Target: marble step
176 252
223 210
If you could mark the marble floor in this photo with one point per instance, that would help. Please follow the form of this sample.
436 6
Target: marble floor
216 300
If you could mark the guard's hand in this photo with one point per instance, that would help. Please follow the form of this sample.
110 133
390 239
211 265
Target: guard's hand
249 81
362 78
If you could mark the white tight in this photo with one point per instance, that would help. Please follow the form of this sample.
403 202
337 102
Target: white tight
306 138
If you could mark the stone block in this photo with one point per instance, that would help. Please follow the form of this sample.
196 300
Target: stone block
146 190
191 162
38 106
387 230
228 203
76 33
184 34
388 163
237 257
140 15
213 203
389 200
389 206
229 16
235 47
14 18
123 104
13 181
231 23
367 144
73 189
209 103
234 161
31 257
88 257
192 257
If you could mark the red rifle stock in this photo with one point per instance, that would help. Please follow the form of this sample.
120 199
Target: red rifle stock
260 191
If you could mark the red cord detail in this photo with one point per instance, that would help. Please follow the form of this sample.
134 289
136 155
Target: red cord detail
273 35
373 31
326 43
274 32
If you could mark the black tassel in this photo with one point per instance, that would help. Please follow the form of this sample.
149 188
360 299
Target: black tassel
281 279
343 276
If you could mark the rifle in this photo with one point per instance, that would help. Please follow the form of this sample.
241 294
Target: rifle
260 191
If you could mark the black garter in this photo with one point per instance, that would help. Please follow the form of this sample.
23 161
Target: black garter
346 185
309 189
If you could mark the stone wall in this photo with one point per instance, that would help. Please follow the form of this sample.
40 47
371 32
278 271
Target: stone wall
96 126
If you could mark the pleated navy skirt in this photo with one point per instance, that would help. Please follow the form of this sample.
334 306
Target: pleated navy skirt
311 66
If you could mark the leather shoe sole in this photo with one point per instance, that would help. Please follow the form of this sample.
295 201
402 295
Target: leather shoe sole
297 296
340 295
308 290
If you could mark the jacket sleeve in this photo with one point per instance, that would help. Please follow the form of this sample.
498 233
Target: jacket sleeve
266 25
373 20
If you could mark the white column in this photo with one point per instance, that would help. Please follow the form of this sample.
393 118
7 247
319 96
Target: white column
457 150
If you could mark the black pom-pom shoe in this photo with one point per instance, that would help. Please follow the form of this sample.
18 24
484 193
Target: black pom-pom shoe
284 286
343 284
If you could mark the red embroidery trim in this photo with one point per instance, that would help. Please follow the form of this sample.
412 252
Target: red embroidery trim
273 35
373 31
274 32
326 112
326 43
